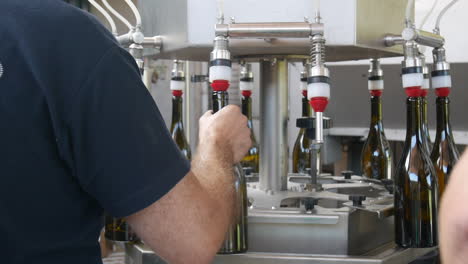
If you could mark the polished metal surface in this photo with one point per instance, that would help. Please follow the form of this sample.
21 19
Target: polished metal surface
318 128
440 59
246 71
423 37
220 49
387 255
375 68
178 69
281 230
412 58
268 30
280 222
187 27
274 110
393 40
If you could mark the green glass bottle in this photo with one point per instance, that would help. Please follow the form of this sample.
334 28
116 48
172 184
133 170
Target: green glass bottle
416 189
425 124
301 151
445 153
376 158
220 76
250 163
177 125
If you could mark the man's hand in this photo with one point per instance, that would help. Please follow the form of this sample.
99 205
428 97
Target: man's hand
224 135
453 216
189 223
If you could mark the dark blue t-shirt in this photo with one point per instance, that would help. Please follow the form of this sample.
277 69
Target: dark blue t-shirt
79 134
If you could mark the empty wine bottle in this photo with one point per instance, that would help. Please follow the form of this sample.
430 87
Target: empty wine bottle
220 76
376 158
416 188
250 163
444 153
301 151
425 88
177 125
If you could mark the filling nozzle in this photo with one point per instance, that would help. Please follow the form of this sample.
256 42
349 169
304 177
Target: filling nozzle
220 64
375 78
178 78
304 76
246 79
441 78
136 50
412 70
425 70
318 84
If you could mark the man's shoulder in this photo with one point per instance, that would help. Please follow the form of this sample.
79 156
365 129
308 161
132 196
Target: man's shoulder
55 18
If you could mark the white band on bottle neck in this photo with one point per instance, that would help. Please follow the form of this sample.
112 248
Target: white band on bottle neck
246 86
303 86
318 89
443 81
426 84
177 85
220 72
412 80
375 84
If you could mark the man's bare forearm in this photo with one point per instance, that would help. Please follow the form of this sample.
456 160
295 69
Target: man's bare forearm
189 223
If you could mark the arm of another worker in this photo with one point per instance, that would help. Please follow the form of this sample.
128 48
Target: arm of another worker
125 158
189 223
453 217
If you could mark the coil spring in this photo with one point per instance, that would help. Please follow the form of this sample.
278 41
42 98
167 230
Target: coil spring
1 70
317 50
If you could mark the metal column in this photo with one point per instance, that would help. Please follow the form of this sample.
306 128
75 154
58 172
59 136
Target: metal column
274 112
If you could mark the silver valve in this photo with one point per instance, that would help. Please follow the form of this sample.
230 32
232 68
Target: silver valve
136 50
220 64
441 78
246 74
318 83
412 70
178 71
246 84
375 78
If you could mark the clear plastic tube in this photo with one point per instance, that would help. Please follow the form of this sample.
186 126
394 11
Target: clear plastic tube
409 9
442 13
117 14
423 22
135 12
220 11
106 15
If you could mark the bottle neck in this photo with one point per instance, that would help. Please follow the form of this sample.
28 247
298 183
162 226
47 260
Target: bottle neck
176 109
424 111
305 107
220 100
376 111
414 121
443 115
247 107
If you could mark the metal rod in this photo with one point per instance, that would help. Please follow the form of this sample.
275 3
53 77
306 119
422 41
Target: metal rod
393 40
274 111
269 30
319 127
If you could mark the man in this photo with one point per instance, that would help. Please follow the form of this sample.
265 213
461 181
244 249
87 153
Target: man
80 134
453 225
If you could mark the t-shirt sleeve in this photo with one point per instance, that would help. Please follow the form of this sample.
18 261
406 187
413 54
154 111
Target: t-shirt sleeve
123 154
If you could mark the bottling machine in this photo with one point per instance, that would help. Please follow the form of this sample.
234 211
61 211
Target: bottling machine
292 218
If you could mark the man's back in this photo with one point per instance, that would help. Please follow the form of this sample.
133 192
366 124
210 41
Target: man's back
75 126
38 190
